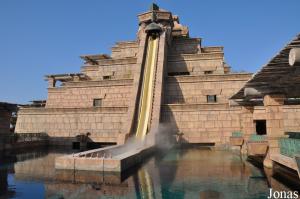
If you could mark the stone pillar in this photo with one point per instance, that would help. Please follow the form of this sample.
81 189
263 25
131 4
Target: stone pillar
247 125
51 82
275 128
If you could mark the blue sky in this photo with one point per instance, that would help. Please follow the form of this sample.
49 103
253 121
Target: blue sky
46 37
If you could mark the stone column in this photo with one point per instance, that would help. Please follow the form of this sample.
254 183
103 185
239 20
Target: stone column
275 128
247 125
51 82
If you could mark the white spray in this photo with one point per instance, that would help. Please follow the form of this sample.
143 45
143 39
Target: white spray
161 137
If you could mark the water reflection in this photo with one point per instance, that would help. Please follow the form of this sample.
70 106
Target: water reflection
178 173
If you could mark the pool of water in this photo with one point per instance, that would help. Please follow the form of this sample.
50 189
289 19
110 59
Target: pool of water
178 173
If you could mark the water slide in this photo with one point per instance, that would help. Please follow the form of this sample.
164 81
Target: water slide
120 157
145 107
145 184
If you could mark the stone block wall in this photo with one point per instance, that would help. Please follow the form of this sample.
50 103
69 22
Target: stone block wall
259 113
187 111
197 64
194 89
211 49
203 123
182 45
120 68
82 96
187 55
274 114
103 124
181 101
291 115
125 49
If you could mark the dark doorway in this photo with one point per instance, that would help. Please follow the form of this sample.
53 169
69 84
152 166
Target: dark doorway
96 145
261 127
76 145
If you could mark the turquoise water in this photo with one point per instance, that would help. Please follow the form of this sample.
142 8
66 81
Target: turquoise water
179 173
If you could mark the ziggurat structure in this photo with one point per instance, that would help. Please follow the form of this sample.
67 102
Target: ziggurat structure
191 88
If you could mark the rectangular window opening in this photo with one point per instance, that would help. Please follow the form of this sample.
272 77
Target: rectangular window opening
106 77
97 102
261 127
208 72
211 98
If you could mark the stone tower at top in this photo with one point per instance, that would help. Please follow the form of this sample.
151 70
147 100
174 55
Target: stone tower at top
165 19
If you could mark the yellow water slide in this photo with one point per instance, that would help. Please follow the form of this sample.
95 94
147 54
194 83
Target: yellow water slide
145 184
147 88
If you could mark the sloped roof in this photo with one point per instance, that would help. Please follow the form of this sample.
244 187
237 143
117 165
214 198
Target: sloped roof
277 76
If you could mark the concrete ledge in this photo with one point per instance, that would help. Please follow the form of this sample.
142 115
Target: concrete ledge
257 148
284 160
28 111
96 160
209 78
236 141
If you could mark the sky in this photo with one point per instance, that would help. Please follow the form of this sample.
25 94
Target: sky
47 37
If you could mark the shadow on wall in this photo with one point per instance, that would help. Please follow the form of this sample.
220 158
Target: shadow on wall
172 95
80 142
172 91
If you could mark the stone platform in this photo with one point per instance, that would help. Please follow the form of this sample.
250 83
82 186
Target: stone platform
109 159
286 161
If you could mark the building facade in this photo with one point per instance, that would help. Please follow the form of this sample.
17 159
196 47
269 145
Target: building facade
272 97
191 92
